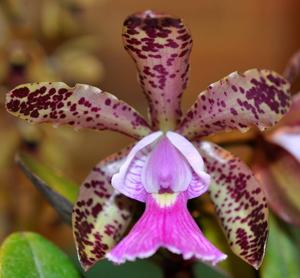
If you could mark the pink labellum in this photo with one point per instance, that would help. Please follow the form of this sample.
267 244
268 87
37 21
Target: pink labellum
164 171
160 46
166 223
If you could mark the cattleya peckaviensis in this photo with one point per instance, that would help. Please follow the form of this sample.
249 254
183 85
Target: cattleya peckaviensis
169 164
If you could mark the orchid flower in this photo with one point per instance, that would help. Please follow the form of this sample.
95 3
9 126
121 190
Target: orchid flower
278 165
170 163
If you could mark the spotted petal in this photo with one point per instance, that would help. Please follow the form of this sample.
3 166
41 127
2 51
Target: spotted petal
292 69
80 106
100 215
160 46
238 101
240 203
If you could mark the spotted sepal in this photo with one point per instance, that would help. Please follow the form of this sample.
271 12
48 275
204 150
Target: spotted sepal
238 101
82 106
100 215
160 46
240 203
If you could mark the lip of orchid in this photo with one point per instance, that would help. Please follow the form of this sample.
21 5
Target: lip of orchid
166 223
143 177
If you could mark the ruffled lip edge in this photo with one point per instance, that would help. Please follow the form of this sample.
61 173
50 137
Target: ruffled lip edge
172 249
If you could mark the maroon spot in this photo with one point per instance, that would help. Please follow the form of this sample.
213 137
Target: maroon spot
20 92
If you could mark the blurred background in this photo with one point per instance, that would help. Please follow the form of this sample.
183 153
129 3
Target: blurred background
79 41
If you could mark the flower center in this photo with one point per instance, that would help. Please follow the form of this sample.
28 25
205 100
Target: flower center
166 170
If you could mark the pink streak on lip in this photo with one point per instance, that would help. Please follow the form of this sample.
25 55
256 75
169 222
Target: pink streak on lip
169 226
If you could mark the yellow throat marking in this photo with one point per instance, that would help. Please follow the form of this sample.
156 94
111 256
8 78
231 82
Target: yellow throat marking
165 199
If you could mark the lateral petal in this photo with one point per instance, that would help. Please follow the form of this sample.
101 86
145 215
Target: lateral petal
80 106
238 101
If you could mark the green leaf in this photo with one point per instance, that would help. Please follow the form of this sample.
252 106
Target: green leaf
282 254
204 270
29 255
59 191
137 269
